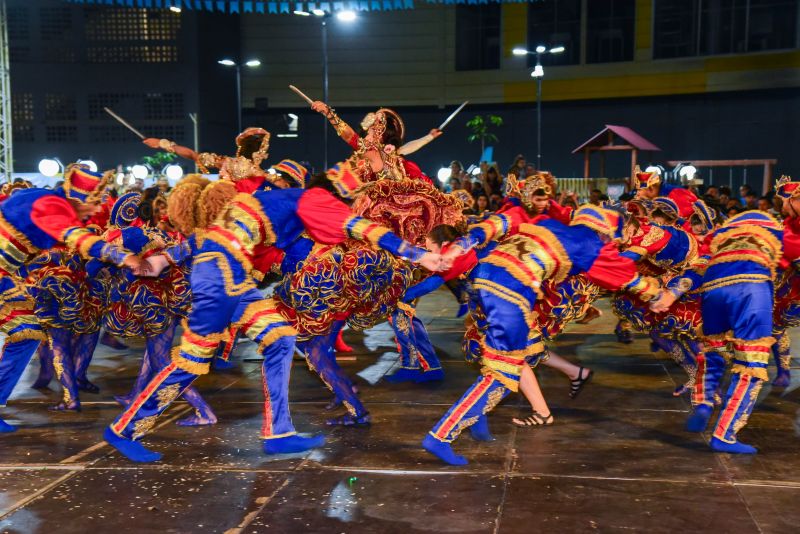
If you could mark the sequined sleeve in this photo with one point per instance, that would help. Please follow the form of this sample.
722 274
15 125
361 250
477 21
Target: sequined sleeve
56 217
178 254
430 284
615 272
358 227
490 229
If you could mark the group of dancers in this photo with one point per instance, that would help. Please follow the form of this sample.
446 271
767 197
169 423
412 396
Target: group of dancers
360 244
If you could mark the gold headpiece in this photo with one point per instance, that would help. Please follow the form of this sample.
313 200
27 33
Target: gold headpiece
786 188
246 144
380 115
466 200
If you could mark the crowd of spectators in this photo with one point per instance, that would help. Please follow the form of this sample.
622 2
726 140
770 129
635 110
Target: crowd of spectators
722 199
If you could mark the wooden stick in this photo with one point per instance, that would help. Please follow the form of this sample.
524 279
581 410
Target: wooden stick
301 94
124 123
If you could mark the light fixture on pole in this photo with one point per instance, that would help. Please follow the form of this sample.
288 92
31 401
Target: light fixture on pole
344 16
91 165
251 63
538 73
50 167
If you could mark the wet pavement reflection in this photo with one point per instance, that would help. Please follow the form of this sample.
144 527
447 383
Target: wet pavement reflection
616 458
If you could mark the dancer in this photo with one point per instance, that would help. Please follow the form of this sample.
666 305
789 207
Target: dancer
507 284
737 321
31 221
224 293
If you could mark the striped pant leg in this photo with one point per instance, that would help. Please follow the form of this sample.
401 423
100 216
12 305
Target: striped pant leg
258 318
479 399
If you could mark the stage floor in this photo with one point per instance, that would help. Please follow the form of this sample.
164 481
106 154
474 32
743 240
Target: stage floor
617 458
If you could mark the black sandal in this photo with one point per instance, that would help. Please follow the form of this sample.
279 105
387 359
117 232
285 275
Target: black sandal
534 419
350 420
575 386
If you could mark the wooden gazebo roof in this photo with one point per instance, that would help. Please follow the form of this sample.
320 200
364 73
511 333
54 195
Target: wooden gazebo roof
608 139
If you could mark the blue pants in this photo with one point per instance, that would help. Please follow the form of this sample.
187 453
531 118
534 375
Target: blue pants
416 349
216 304
737 326
321 358
509 342
24 333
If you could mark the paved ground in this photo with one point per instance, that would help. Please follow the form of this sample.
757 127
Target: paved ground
616 459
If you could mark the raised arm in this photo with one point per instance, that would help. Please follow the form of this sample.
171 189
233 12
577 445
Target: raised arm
343 129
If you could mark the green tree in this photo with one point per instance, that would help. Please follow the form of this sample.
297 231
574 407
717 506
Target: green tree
480 127
159 160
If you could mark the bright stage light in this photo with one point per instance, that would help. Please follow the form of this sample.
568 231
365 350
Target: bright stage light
654 168
346 16
49 167
301 13
519 52
538 72
541 48
443 174
140 172
557 50
253 63
89 163
227 62
318 12
173 172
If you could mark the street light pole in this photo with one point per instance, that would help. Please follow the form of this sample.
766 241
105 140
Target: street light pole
538 73
344 16
252 63
538 115
325 88
238 99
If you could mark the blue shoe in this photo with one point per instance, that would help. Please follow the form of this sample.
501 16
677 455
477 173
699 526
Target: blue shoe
6 428
443 451
717 445
430 376
782 379
219 364
404 375
292 444
132 450
480 430
698 421
350 420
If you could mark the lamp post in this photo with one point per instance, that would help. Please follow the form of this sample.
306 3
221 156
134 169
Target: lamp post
251 63
538 73
344 16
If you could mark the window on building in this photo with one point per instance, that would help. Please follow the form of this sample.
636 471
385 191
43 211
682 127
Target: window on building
555 23
132 54
610 31
163 106
112 24
115 133
61 134
117 35
124 103
700 27
58 107
55 23
22 117
478 37
18 23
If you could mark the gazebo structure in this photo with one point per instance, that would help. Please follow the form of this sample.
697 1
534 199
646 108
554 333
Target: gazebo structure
614 138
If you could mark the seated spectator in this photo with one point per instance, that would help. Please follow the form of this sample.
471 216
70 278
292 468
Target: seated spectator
724 195
734 210
490 178
481 205
712 191
518 167
745 190
764 204
594 197
777 205
751 201
495 201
